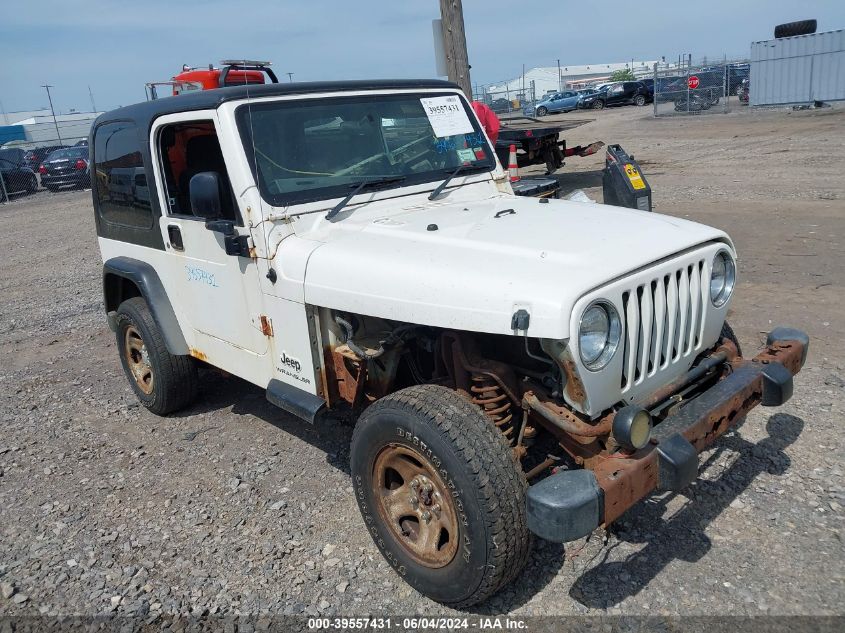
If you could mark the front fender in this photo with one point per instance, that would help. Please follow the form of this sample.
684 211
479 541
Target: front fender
120 274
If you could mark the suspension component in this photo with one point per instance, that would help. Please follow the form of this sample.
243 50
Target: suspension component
489 395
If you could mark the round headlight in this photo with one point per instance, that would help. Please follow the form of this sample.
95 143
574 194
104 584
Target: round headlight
722 279
598 334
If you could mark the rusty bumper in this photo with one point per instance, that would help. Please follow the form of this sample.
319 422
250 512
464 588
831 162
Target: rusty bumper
572 503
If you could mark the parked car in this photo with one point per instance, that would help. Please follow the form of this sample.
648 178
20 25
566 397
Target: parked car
35 157
15 171
558 102
621 93
649 84
66 167
81 143
736 73
583 94
450 318
710 89
500 106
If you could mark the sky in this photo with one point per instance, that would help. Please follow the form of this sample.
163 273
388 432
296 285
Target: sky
115 46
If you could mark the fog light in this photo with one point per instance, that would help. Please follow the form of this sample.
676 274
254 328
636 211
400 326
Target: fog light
632 427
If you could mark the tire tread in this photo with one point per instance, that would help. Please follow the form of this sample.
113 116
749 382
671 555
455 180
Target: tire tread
500 482
176 381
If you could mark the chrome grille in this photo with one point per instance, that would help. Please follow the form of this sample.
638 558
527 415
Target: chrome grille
664 321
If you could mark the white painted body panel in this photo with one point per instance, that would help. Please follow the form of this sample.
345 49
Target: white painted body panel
476 270
379 258
219 352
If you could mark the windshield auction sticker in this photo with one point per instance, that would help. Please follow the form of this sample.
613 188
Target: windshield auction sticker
447 115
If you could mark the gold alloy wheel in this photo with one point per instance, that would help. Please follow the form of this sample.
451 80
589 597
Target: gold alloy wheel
414 502
138 359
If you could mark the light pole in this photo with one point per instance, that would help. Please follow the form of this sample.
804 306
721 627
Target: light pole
559 77
290 77
55 122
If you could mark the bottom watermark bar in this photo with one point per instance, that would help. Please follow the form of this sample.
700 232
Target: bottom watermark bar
475 622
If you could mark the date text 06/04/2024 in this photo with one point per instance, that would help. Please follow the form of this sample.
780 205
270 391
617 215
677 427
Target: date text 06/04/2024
417 624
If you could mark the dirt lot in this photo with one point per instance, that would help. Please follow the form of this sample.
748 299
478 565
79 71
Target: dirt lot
232 507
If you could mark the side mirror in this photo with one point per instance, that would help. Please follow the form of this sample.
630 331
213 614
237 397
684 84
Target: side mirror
204 191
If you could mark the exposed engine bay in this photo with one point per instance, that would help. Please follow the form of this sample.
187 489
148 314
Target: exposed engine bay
518 382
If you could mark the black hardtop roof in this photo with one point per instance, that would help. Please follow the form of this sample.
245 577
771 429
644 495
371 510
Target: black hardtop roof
143 113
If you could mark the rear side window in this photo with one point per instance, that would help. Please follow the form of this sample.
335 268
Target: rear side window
117 156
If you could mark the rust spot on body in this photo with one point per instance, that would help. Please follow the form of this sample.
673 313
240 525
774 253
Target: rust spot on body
197 354
266 325
574 386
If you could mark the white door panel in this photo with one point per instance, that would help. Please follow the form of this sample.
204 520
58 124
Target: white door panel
219 293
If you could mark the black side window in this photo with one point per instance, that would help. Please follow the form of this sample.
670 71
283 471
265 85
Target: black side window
117 158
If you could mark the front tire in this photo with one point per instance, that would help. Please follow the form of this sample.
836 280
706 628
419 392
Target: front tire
598 105
164 383
728 333
440 494
541 111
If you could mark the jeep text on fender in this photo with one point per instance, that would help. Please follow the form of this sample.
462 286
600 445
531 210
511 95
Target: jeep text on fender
356 246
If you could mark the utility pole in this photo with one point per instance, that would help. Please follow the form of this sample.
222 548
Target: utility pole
91 94
55 122
455 44
290 77
559 78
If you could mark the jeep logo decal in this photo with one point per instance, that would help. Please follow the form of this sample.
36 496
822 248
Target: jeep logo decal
291 362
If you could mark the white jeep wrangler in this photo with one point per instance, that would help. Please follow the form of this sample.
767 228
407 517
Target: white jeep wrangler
356 246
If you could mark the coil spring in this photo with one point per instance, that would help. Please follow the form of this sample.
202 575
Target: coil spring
487 394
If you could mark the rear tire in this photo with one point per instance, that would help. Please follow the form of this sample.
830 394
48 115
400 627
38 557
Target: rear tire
639 100
426 446
164 383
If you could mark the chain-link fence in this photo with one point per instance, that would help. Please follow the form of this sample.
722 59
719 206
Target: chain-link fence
51 162
702 88
506 101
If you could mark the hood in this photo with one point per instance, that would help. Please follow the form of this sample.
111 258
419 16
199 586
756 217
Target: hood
470 266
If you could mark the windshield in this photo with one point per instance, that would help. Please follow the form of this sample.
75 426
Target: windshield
72 153
314 150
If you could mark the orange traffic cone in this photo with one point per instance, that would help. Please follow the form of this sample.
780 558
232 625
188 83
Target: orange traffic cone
513 170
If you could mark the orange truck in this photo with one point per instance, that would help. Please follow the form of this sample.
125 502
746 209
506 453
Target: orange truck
237 72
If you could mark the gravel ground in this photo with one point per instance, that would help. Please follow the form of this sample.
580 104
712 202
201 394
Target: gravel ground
232 507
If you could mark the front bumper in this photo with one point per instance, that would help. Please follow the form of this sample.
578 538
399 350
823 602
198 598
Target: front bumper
572 503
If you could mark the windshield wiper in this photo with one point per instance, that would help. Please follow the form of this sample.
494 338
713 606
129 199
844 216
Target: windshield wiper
356 188
461 168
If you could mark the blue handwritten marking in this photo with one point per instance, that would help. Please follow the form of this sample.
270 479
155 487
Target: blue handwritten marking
473 140
201 276
443 145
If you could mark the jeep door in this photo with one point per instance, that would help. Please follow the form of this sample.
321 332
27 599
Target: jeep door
218 293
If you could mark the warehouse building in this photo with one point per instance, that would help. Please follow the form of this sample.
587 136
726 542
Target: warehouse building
33 128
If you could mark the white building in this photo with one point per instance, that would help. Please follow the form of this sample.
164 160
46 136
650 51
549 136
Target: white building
548 79
39 128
